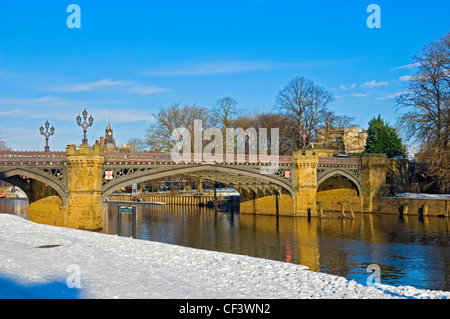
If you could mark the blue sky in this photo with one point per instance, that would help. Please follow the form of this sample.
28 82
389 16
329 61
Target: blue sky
130 58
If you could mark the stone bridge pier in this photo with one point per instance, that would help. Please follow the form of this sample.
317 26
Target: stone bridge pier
81 206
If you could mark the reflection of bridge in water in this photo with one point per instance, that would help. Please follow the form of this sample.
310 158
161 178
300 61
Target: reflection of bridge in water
68 188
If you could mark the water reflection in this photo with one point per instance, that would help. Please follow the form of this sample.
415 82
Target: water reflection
17 207
410 250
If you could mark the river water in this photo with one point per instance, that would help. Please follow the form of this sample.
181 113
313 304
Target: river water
409 250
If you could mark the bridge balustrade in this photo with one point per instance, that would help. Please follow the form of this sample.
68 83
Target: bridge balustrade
340 161
34 157
166 158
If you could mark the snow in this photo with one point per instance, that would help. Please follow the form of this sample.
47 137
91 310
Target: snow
423 196
42 261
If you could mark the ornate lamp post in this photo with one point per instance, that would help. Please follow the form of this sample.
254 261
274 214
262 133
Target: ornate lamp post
85 124
47 134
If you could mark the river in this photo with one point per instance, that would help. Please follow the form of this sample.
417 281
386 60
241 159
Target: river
409 250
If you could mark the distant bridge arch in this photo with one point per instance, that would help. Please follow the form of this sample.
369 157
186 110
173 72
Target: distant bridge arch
12 175
352 176
237 176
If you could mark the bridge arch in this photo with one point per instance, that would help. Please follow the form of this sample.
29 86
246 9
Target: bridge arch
220 173
340 172
10 175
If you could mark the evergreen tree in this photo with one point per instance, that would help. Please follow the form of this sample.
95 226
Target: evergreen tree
382 138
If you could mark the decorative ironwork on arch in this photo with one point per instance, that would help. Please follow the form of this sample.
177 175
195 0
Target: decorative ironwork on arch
54 178
237 176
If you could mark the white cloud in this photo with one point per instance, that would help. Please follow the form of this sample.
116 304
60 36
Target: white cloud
83 87
358 94
9 112
390 96
107 83
32 103
53 106
124 116
406 77
368 84
373 84
345 87
407 66
147 90
220 67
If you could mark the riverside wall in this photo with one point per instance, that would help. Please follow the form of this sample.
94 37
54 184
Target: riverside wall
170 199
413 206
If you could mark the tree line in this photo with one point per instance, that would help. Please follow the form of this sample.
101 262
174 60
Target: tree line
302 106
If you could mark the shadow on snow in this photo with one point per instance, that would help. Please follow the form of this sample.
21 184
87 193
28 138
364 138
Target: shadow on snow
11 289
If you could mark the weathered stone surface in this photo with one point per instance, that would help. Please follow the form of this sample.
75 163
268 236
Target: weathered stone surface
374 167
48 210
85 209
306 180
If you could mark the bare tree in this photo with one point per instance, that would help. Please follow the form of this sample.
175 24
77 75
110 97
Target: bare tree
426 107
307 102
344 121
338 121
159 134
139 144
3 146
225 112
289 134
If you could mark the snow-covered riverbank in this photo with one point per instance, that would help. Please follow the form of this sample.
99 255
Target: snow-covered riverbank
40 261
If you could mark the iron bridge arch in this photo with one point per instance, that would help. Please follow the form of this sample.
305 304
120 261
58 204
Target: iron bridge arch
52 177
247 177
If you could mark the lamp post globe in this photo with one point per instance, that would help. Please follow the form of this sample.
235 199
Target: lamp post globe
85 124
47 134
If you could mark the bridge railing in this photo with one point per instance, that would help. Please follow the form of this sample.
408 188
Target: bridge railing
167 158
35 157
340 161
113 158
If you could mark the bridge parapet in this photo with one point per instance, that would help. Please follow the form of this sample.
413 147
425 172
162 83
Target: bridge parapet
32 157
340 161
166 158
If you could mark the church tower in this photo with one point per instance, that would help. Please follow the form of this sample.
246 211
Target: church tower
110 142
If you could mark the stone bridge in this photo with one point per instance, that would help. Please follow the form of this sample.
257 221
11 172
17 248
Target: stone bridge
68 188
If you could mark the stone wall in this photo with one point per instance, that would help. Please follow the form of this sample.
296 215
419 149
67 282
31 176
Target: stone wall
267 205
374 167
181 199
413 206
49 211
354 140
85 209
306 183
348 140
